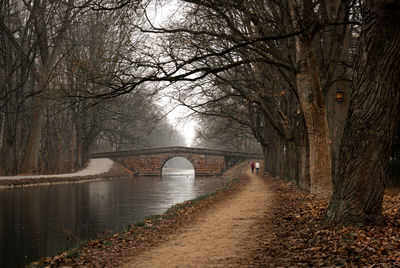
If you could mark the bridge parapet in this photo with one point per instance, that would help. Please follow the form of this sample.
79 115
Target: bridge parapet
149 162
176 149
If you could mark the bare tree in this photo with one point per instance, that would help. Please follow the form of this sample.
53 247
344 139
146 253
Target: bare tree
225 134
371 126
290 37
51 51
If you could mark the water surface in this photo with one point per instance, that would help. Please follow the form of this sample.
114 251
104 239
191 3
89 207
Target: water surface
43 220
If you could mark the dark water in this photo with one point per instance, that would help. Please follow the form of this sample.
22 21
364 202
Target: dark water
43 220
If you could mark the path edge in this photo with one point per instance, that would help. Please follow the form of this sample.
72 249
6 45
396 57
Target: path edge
149 233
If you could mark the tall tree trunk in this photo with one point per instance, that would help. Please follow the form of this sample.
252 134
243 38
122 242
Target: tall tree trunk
303 161
73 144
290 167
30 163
2 126
368 137
270 151
49 47
314 110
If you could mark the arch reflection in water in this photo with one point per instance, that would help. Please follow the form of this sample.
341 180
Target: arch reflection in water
178 178
178 167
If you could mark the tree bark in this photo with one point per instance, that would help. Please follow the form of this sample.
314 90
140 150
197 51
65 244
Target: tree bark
367 142
31 159
2 126
49 47
303 160
314 110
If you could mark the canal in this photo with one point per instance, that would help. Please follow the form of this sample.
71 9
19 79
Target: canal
44 220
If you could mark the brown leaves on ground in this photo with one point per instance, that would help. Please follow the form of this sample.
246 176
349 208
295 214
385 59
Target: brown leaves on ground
294 234
114 250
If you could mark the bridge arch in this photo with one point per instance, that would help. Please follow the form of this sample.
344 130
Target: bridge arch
164 161
149 162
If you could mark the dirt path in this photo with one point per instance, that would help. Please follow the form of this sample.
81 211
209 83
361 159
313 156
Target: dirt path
222 235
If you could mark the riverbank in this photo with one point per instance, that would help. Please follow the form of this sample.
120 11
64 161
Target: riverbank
97 169
114 249
257 221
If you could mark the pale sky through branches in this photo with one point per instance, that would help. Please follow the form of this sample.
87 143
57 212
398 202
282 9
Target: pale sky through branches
161 15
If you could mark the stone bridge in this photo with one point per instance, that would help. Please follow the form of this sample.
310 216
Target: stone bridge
149 162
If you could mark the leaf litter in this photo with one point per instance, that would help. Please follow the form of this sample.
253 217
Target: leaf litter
292 234
295 235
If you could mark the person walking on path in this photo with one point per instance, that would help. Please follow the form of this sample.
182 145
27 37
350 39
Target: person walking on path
215 237
257 167
252 166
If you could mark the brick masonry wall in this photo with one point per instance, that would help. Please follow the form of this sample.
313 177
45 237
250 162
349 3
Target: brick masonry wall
151 165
